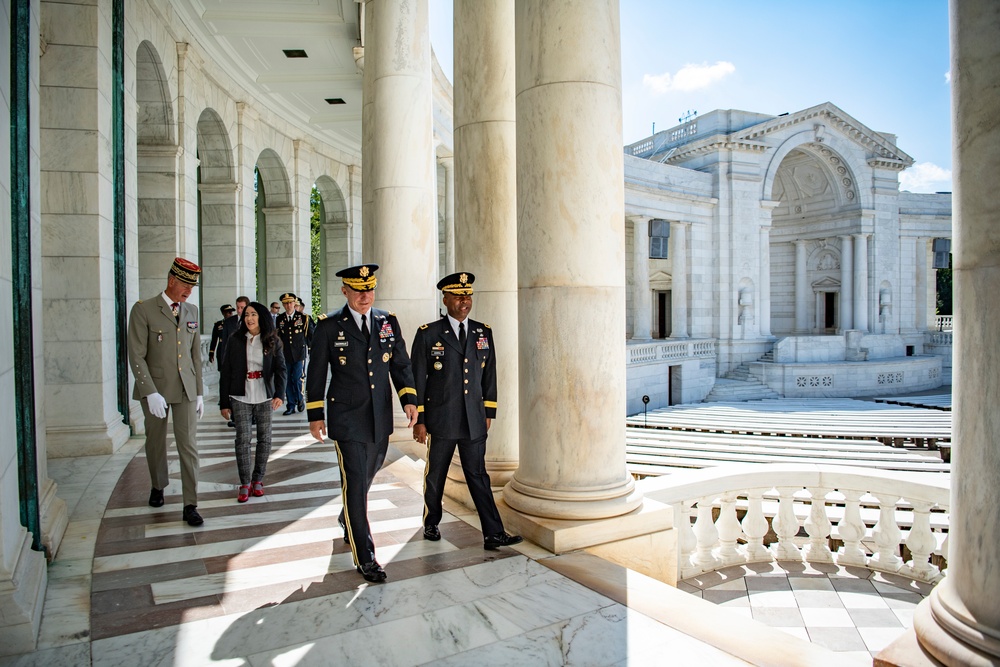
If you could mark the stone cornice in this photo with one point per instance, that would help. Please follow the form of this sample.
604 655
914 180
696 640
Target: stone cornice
884 151
714 144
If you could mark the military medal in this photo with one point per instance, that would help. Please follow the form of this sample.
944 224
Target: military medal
159 338
483 343
343 361
438 365
385 357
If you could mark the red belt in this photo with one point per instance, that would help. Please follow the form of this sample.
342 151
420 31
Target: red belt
255 375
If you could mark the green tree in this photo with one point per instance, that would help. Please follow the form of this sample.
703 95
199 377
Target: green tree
944 306
316 251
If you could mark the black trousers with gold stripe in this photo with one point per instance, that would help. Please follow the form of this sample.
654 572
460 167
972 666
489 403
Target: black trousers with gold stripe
359 462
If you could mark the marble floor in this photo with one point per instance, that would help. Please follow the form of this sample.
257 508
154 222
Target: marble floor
271 582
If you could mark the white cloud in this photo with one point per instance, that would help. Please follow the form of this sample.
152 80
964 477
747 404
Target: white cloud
688 78
925 177
947 76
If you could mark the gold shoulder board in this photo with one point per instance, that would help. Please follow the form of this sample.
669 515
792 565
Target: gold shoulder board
423 326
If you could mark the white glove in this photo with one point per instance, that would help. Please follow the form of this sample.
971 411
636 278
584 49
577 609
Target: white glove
199 407
157 405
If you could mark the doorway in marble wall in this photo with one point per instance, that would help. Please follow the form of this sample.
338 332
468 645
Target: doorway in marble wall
335 241
276 237
220 244
156 172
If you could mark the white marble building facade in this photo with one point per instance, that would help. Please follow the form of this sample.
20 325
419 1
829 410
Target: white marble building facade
776 227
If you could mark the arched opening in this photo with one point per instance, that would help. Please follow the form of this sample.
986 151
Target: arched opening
277 259
218 235
817 213
335 240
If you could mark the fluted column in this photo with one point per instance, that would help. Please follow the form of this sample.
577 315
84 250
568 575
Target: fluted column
861 282
571 260
801 289
846 283
448 165
485 209
399 160
764 279
678 280
959 624
642 297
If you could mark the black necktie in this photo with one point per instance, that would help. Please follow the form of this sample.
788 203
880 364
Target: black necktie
461 335
365 331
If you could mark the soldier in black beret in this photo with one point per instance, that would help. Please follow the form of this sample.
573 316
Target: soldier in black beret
360 348
455 371
218 342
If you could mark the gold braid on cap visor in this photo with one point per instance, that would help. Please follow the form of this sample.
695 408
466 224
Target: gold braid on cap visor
185 276
361 284
457 289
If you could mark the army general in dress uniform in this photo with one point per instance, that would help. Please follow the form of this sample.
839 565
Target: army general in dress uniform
455 371
359 348
164 353
295 332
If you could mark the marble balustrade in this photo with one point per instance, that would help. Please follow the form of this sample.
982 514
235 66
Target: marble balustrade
686 349
881 509
944 322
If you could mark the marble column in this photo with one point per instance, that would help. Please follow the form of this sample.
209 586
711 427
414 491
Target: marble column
571 260
642 297
846 283
922 305
448 165
485 204
764 296
801 289
678 280
861 282
400 165
219 249
959 624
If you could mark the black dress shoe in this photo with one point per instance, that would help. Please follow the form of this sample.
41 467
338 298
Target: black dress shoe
372 572
494 542
432 533
289 410
156 498
302 407
343 526
191 515
231 424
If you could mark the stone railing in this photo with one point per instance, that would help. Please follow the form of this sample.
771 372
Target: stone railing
939 337
865 511
944 322
684 349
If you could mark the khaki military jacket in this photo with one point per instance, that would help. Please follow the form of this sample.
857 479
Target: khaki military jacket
163 353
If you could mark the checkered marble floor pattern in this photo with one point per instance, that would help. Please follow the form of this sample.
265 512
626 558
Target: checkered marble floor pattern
853 611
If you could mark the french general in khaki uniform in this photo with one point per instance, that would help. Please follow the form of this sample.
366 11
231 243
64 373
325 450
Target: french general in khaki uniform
359 348
164 352
455 372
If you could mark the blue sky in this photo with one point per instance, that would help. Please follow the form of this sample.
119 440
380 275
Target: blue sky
884 62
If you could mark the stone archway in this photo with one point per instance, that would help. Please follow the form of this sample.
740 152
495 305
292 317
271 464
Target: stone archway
221 244
156 171
819 209
336 239
277 240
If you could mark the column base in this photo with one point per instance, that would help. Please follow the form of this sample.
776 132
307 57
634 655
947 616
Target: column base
55 518
21 597
86 441
583 504
563 535
948 633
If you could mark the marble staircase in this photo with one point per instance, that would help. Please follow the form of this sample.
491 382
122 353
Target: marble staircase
739 385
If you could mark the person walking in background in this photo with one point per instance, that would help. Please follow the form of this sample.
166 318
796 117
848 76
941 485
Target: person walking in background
164 352
360 348
251 387
218 342
293 330
455 373
275 310
231 324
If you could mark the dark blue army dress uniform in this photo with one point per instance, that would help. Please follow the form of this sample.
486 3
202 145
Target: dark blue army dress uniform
357 403
295 333
456 379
